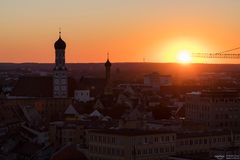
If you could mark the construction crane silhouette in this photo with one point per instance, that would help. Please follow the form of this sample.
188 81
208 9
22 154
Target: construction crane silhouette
227 54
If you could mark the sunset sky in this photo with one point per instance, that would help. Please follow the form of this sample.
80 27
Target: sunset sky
130 30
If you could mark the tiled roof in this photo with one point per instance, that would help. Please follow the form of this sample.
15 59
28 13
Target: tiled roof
71 110
96 113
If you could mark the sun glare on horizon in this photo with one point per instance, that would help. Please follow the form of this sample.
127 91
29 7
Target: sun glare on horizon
179 50
184 57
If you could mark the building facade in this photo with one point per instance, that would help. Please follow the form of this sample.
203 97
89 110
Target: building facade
130 144
203 143
155 80
64 132
123 144
83 95
214 108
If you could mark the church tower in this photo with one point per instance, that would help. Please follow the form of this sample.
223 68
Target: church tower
60 73
108 88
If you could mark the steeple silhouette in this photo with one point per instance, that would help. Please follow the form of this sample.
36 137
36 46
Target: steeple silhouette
60 44
108 72
60 73
108 68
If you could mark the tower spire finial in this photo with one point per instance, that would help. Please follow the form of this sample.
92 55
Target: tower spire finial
60 32
108 55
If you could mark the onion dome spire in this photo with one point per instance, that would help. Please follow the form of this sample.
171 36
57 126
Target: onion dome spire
60 44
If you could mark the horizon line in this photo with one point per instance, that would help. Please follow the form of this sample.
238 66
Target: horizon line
121 63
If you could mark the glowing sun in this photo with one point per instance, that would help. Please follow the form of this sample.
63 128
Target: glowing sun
184 57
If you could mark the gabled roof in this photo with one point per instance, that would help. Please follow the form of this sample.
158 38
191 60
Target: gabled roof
71 110
98 105
96 113
106 118
129 90
134 114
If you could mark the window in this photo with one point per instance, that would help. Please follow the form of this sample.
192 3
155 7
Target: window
108 139
56 87
108 151
113 151
191 142
195 141
205 141
104 139
167 138
139 152
150 151
145 140
113 140
122 152
104 150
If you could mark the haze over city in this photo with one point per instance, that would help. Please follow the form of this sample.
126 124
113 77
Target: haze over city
120 80
132 31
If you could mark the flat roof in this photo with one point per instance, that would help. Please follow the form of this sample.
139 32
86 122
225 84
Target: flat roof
204 134
216 93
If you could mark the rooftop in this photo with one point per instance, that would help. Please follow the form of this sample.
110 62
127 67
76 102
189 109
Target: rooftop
203 134
216 93
130 132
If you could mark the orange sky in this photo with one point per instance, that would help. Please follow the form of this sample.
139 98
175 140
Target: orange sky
130 30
